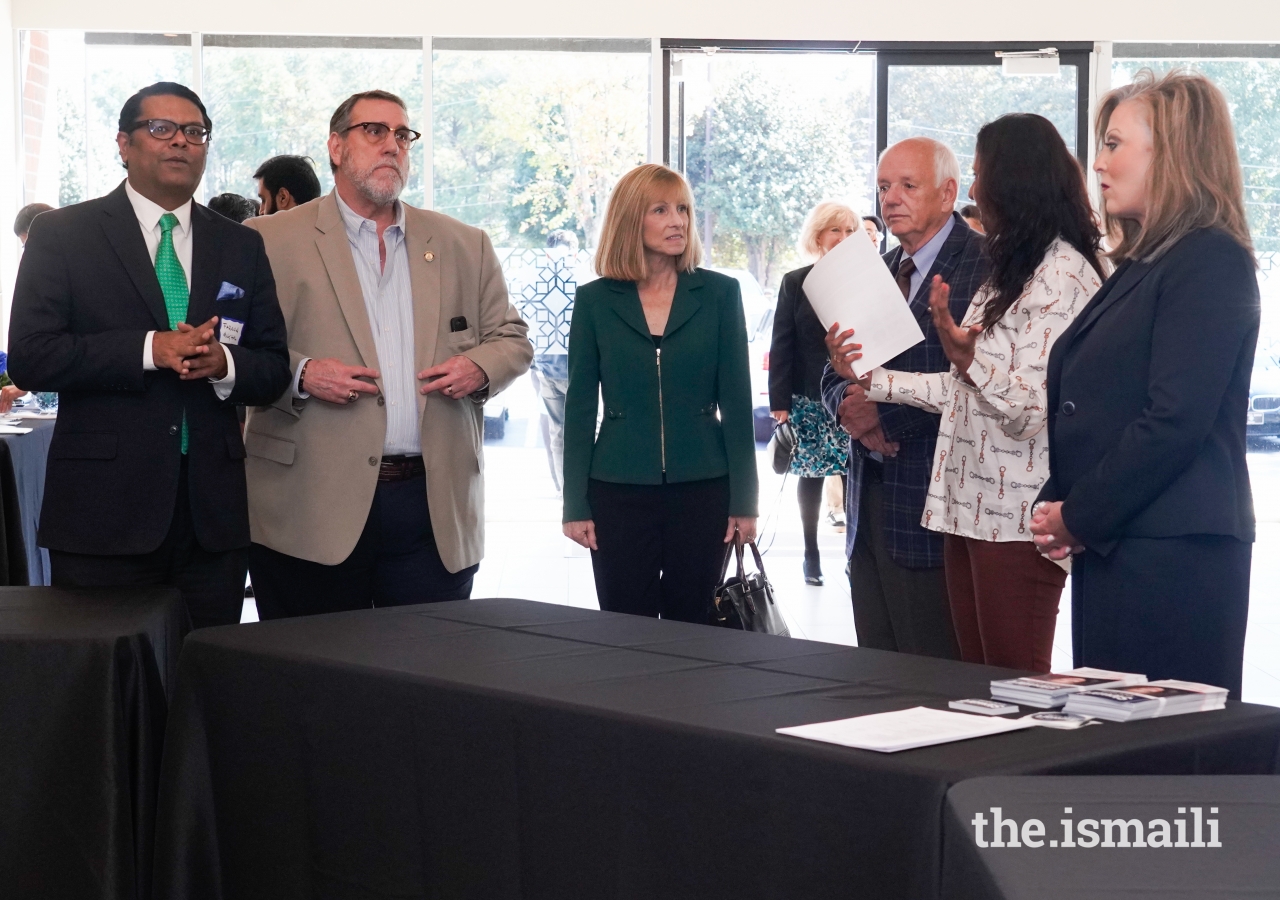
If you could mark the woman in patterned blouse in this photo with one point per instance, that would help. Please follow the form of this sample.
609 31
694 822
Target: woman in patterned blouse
991 457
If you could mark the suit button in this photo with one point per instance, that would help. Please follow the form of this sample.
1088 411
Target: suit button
373 460
1068 408
382 401
173 429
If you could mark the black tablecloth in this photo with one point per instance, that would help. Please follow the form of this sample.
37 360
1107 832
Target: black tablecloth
83 676
1245 807
496 749
22 467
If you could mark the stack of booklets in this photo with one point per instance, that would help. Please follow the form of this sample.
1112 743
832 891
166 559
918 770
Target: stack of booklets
1052 690
1147 701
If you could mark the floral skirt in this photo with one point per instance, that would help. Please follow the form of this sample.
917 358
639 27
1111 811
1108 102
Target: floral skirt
822 449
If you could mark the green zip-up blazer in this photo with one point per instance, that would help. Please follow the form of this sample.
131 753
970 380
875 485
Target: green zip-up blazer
648 421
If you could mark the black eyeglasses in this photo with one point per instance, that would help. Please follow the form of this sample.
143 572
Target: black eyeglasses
163 129
376 132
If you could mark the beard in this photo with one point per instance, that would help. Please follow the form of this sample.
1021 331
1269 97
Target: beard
373 184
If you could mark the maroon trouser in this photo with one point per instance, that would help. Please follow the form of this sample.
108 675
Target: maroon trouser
1004 601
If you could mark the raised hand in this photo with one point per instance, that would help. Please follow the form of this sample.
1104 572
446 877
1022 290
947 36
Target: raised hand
957 342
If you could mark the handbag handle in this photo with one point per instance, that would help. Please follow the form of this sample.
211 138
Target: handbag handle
736 544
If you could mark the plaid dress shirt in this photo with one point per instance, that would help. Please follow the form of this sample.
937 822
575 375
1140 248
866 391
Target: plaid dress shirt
906 476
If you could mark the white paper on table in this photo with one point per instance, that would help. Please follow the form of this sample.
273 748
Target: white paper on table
14 429
852 285
905 729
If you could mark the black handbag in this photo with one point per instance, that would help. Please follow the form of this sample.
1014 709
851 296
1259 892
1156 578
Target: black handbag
782 446
745 602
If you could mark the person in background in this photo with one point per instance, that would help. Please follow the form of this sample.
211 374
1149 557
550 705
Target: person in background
549 315
27 215
285 182
874 227
116 307
358 503
797 356
972 216
1148 391
234 207
990 460
672 476
895 574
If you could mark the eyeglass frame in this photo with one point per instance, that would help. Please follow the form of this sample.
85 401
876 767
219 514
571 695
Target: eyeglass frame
147 123
416 135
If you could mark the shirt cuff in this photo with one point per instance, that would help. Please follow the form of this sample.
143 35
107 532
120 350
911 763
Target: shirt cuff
148 362
298 393
225 385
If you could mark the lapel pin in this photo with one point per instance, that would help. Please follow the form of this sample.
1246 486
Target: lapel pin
429 256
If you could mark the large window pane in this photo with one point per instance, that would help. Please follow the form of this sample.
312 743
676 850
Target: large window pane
950 104
532 141
71 106
765 138
268 100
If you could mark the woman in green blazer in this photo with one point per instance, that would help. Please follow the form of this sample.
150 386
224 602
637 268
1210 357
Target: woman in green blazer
671 477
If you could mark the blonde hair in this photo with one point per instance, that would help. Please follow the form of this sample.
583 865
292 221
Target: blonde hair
1195 180
820 218
621 252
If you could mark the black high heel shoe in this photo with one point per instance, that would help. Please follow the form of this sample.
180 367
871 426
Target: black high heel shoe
813 572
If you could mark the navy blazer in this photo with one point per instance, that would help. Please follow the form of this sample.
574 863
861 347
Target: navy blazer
963 266
85 298
798 350
1148 394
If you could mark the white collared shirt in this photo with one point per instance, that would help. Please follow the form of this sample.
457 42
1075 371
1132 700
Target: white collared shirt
388 299
149 213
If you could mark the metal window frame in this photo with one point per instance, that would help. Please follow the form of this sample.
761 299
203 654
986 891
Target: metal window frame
985 57
888 53
1136 50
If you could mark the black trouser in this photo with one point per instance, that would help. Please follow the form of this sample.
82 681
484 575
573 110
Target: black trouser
395 562
661 546
212 584
894 607
1172 607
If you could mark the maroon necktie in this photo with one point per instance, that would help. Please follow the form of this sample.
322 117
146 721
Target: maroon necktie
905 271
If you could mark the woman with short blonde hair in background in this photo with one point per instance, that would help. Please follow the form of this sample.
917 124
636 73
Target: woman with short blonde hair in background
671 478
1148 391
797 356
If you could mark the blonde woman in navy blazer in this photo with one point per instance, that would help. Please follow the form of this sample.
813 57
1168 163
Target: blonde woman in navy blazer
1147 396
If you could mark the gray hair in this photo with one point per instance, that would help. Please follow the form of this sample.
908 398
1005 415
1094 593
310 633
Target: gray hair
945 164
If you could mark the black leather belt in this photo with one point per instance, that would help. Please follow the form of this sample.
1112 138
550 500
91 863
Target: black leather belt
401 468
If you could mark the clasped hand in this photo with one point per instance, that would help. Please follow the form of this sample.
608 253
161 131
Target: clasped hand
1050 533
190 351
857 415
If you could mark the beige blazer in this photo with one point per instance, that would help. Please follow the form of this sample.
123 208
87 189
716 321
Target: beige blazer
313 466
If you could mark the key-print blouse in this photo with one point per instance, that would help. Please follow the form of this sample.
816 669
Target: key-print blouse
991 459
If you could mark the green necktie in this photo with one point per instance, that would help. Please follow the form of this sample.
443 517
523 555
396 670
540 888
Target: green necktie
173 282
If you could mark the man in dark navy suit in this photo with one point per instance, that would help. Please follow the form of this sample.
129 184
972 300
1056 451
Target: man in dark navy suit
895 573
152 317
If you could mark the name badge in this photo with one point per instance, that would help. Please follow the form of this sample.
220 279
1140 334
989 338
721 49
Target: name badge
229 332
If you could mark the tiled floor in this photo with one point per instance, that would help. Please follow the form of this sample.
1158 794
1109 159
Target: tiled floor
526 556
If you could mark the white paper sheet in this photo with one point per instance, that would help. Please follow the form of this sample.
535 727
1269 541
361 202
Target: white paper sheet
14 429
852 285
905 729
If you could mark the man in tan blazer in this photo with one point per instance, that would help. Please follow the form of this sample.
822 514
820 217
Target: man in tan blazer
366 477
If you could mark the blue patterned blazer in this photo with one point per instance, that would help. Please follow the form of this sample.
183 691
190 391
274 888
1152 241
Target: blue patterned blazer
962 265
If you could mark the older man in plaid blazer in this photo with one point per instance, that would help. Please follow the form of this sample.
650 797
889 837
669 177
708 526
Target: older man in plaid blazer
895 574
